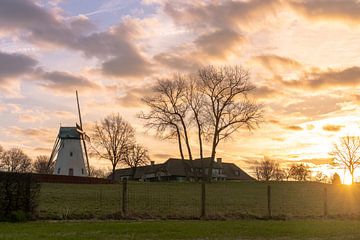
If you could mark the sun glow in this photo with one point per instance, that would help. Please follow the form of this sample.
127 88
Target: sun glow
347 179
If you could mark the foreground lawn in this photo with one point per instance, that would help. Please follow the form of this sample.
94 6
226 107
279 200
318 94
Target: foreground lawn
250 229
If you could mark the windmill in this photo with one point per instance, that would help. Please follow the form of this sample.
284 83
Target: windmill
69 151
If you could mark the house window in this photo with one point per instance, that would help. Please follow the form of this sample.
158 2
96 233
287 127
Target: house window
237 173
71 154
71 172
58 171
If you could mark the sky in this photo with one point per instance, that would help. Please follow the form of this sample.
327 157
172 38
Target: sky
302 55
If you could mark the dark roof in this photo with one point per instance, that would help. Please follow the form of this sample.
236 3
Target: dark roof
176 167
230 169
69 133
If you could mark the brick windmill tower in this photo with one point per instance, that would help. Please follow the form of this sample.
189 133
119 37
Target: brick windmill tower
69 151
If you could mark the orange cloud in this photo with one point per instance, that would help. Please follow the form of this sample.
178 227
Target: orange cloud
294 128
332 128
275 63
346 11
349 77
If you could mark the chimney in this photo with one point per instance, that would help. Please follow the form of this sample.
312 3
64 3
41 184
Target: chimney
219 161
152 163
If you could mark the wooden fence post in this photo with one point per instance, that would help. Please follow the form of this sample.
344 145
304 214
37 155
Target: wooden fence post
269 200
203 199
325 202
125 197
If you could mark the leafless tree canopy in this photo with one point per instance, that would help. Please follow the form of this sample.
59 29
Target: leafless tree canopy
135 157
213 103
346 153
300 172
168 111
111 139
336 179
267 170
98 172
321 177
15 160
41 165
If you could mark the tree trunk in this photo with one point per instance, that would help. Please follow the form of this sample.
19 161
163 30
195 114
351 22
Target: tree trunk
213 153
186 139
181 151
201 149
133 172
113 172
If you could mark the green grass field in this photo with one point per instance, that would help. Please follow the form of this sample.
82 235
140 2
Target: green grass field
182 200
220 230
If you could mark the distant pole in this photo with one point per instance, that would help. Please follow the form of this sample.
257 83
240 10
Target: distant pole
269 200
325 202
203 199
124 197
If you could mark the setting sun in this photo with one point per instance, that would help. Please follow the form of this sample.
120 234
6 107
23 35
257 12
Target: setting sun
347 179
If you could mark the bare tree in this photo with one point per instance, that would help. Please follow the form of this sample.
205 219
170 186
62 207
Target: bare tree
111 138
346 154
2 154
97 172
15 160
135 157
195 99
41 165
168 113
168 110
279 174
300 172
265 170
336 179
214 101
321 177
227 106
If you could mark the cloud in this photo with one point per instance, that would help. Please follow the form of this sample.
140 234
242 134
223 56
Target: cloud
337 10
219 13
39 24
309 106
12 67
38 134
332 128
217 29
219 43
264 92
133 95
275 63
294 128
64 81
349 77
114 48
317 161
177 59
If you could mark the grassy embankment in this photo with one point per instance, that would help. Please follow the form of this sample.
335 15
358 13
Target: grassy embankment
182 200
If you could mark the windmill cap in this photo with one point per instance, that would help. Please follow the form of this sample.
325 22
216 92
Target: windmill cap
69 133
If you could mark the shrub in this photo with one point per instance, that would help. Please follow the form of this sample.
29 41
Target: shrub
18 196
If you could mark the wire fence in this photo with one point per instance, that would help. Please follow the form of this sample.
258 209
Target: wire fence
189 200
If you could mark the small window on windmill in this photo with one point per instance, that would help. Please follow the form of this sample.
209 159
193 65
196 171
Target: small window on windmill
82 171
58 171
71 154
